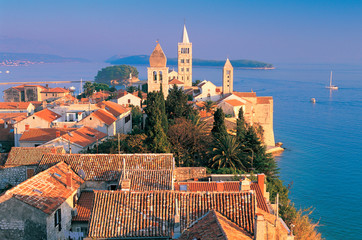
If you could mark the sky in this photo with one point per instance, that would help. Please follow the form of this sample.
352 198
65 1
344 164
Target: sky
271 31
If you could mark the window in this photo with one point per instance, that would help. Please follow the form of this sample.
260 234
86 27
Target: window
183 187
228 72
90 118
46 94
155 76
33 117
187 60
112 187
129 100
182 60
161 76
126 119
58 219
187 69
182 69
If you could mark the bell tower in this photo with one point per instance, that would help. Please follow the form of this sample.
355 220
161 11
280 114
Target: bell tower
158 72
185 59
227 77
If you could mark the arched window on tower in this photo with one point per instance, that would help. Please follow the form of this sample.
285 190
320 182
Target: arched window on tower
155 76
160 77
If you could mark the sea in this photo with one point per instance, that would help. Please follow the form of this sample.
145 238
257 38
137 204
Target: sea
323 141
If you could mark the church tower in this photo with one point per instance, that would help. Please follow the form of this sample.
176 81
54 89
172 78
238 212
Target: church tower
185 59
227 77
158 72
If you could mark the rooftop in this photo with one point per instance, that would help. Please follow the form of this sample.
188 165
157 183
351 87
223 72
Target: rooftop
15 117
234 102
47 190
84 207
175 81
245 94
43 134
84 136
14 105
158 58
55 90
47 115
114 108
103 116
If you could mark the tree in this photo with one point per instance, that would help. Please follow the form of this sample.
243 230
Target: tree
131 89
155 129
101 87
219 127
137 118
177 105
241 126
88 89
209 106
118 73
162 107
196 83
225 152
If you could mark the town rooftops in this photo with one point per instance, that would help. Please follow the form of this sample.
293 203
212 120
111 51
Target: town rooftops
47 115
12 117
263 100
55 90
214 226
14 105
21 156
47 190
113 108
245 94
44 134
175 81
21 87
119 214
84 207
234 102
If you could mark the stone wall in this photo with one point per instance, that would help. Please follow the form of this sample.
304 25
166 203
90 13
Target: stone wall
12 176
21 221
189 173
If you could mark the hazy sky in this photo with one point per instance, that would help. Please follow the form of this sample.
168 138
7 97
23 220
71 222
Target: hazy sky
272 31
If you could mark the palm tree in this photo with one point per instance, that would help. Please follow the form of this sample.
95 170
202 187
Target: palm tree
209 106
226 152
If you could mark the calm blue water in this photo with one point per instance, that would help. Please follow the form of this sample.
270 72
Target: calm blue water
323 140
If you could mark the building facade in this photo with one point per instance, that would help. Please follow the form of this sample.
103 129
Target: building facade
185 59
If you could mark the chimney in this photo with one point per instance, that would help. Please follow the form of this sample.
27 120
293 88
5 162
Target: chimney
245 184
57 134
261 183
69 179
27 126
220 186
125 184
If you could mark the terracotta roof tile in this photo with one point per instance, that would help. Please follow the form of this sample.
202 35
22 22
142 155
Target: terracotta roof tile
84 136
245 94
14 105
84 207
232 186
20 156
234 102
214 226
104 116
15 117
43 134
263 100
55 90
114 108
175 81
45 191
118 214
47 115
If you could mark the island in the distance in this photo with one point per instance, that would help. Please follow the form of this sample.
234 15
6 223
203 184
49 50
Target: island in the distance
21 59
144 60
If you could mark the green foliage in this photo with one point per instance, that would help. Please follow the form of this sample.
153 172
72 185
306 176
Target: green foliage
219 127
196 83
131 89
209 106
156 123
176 104
225 152
112 89
145 88
101 87
89 88
120 73
137 118
241 126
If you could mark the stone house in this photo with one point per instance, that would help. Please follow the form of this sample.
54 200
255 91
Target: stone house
41 119
41 207
21 164
100 120
208 92
35 137
128 99
17 107
121 113
23 93
174 81
52 94
7 121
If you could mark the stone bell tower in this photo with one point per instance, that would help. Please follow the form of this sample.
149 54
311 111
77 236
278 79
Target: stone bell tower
158 72
185 59
227 77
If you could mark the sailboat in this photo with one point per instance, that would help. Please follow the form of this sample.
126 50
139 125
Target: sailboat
333 87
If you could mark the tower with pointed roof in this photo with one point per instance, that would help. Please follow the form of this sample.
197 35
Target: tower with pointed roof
158 72
227 77
185 59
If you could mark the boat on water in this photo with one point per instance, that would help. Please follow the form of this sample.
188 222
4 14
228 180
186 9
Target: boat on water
333 87
312 100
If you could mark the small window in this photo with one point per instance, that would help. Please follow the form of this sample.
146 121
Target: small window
129 100
33 117
58 219
183 187
188 60
182 60
126 119
187 69
182 69
112 187
90 118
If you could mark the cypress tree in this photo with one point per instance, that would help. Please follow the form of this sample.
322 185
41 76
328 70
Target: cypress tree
162 106
241 126
219 127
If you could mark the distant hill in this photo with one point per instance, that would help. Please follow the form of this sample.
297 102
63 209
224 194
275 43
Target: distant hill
144 60
37 58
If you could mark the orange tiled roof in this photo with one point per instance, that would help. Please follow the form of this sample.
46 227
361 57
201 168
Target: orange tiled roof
14 105
21 87
104 116
16 117
109 167
55 90
47 115
144 95
149 180
84 136
232 186
114 108
118 214
43 134
263 100
175 81
214 226
245 94
84 207
20 156
47 190
234 102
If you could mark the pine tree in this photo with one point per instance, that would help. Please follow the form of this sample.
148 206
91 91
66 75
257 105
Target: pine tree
219 127
176 104
241 126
